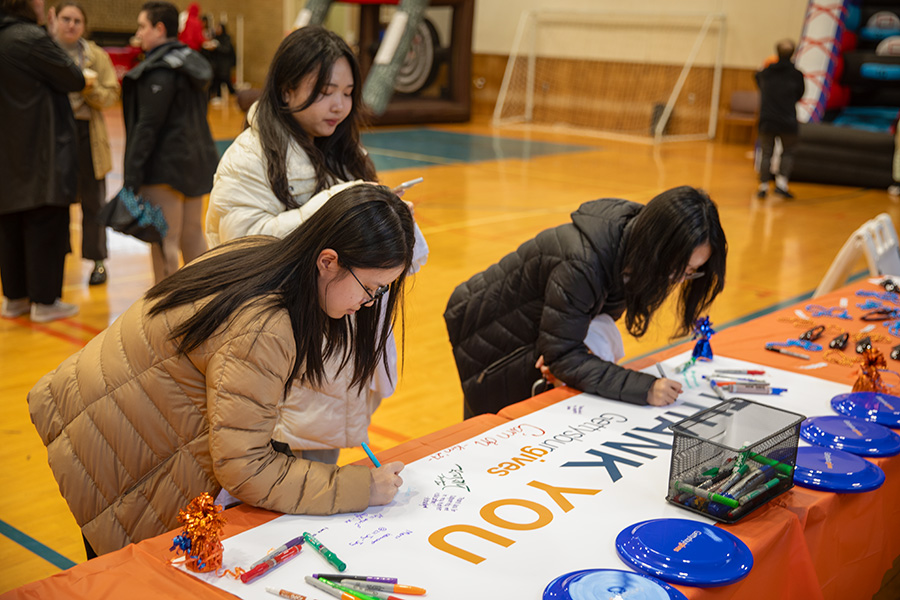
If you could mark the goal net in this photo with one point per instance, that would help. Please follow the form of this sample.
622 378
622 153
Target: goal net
630 75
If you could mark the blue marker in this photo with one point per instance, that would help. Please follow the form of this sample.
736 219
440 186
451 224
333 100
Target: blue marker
371 455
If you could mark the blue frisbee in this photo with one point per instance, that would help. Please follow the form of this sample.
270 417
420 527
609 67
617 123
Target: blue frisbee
609 584
850 434
883 409
833 470
685 552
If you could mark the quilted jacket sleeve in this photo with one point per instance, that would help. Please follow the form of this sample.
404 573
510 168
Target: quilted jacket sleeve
245 383
573 294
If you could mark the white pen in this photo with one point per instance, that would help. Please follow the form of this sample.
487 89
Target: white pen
410 183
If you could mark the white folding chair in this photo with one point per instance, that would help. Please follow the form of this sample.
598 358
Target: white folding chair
877 240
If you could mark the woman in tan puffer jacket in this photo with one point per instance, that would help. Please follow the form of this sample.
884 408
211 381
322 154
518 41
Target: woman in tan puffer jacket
180 394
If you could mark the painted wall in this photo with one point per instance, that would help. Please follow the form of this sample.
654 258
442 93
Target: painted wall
752 27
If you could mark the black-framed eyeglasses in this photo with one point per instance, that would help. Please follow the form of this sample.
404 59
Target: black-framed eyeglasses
381 291
687 276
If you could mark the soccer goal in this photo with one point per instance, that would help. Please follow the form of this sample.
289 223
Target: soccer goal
637 76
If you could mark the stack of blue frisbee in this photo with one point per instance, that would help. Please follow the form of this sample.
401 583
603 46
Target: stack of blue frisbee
609 584
685 552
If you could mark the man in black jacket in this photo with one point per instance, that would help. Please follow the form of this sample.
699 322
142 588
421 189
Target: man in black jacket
781 87
170 157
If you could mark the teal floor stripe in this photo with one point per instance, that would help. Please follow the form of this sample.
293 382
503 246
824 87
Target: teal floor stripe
29 543
750 317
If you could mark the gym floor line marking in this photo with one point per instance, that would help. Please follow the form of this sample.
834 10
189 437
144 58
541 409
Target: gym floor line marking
29 543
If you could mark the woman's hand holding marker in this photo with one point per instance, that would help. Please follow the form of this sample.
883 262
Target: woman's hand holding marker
386 481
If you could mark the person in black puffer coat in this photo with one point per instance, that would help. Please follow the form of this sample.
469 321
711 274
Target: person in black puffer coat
531 311
38 163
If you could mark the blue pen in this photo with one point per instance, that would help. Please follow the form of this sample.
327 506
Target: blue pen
371 455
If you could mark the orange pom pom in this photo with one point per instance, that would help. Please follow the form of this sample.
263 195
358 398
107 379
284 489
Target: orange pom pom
199 540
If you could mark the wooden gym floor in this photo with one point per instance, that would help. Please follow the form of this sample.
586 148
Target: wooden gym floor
485 192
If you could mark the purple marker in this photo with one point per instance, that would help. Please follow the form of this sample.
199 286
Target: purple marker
297 541
339 576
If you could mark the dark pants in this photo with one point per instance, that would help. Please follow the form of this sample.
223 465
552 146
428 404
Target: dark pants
767 147
33 248
92 193
215 88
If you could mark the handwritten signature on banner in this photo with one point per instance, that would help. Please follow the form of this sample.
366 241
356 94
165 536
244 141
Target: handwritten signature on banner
453 479
446 451
522 429
442 502
378 535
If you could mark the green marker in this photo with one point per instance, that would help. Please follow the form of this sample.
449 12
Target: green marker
760 490
330 556
711 496
346 590
779 466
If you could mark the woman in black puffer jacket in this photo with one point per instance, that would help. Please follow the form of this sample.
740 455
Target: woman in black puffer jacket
38 163
616 257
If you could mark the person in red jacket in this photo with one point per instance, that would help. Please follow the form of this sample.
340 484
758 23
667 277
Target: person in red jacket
192 34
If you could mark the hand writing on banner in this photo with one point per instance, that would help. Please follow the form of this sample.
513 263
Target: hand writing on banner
385 483
663 392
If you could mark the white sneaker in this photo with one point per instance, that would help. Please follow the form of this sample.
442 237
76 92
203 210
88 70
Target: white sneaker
14 308
42 313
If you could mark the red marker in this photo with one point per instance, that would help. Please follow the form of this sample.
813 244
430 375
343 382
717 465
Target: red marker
270 564
738 372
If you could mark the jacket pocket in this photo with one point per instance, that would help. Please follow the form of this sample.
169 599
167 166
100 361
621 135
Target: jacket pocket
504 362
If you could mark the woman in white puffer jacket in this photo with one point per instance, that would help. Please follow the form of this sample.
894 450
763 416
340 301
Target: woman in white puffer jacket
301 147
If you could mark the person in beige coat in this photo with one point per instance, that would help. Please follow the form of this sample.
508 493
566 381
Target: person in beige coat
180 395
67 25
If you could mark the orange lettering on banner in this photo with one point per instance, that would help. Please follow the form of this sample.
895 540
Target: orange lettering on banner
438 540
489 514
556 493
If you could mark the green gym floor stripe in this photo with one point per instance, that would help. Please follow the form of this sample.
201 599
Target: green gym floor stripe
29 543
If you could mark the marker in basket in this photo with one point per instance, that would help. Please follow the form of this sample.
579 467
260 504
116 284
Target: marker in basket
706 495
787 352
760 490
779 466
368 450
330 556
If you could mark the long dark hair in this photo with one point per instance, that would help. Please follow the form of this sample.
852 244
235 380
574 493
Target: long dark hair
664 235
366 225
337 157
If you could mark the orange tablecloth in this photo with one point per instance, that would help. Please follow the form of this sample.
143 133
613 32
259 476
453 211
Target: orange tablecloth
806 544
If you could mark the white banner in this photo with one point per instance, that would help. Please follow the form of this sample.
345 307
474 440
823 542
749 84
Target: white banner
504 513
